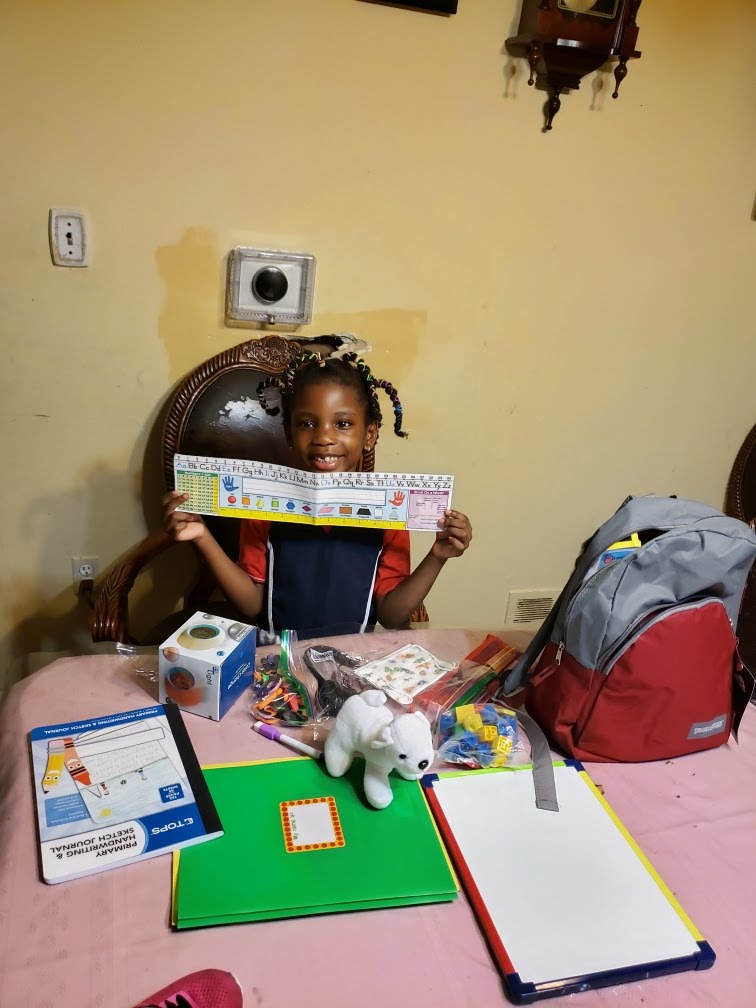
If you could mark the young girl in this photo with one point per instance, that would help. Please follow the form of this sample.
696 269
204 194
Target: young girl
323 580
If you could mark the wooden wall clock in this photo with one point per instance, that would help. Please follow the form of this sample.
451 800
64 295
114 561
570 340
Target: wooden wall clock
563 40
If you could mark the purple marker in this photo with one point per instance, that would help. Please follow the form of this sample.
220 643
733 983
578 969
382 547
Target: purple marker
276 736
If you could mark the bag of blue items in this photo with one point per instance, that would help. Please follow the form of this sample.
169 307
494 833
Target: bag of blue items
478 735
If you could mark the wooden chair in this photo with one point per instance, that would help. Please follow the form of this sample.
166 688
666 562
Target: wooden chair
740 502
214 411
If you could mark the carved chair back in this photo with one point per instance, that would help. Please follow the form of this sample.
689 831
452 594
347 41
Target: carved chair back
214 412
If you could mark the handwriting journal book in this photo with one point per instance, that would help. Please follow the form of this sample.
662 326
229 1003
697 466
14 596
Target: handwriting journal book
566 899
116 789
299 842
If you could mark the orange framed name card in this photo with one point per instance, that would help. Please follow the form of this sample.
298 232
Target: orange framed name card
311 824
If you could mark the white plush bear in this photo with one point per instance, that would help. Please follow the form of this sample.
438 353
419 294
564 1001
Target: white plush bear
365 725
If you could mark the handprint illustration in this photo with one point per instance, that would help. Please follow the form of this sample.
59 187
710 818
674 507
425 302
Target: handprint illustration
397 499
229 484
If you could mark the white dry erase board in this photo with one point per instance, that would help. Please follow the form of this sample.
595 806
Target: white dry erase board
566 899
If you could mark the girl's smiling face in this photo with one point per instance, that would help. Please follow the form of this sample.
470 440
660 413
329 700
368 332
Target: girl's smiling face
328 428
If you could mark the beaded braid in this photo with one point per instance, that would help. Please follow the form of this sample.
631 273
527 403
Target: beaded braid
286 386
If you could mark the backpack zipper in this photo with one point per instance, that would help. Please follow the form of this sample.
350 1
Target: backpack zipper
659 530
585 586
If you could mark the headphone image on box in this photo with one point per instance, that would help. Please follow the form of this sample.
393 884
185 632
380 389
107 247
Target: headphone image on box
238 630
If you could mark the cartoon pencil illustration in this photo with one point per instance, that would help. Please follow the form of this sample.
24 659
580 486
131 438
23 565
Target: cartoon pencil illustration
73 764
54 766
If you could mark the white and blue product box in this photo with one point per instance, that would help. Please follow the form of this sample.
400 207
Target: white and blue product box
206 665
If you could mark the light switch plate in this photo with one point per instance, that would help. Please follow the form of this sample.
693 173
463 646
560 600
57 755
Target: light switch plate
69 244
269 285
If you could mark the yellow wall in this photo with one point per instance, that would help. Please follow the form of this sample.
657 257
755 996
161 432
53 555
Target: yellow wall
568 317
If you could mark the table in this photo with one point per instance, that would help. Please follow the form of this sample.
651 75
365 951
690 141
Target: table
104 941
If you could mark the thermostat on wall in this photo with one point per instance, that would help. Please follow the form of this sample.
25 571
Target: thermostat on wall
266 285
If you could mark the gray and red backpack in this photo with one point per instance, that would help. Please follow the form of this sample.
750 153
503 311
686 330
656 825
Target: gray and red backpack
638 658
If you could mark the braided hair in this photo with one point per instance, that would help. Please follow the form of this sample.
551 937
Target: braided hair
350 371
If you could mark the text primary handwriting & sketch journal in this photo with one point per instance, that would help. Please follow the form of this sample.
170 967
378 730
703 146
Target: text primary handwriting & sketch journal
116 789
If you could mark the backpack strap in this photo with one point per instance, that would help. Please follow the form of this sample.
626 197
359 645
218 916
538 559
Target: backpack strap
544 784
517 676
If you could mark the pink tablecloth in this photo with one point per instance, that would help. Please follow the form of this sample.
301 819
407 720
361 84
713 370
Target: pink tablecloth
104 941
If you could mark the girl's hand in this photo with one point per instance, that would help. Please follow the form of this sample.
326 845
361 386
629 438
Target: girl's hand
180 525
455 535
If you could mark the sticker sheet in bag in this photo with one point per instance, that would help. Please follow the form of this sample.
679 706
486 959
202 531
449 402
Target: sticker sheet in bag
404 673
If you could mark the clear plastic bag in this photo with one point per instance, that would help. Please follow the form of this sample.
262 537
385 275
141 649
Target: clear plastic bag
477 735
475 681
334 672
406 672
301 684
278 696
142 660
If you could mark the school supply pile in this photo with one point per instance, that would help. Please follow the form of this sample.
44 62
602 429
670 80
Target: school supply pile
117 789
566 900
476 680
639 658
306 685
298 842
412 674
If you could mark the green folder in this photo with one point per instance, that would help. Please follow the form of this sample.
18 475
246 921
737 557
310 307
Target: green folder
389 857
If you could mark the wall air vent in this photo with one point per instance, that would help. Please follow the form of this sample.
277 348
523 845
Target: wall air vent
530 608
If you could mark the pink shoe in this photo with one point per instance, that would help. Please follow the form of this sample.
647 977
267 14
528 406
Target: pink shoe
210 988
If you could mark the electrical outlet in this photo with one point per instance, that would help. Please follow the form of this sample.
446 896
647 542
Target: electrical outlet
84 569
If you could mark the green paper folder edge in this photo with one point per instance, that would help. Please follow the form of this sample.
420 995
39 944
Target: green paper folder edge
391 857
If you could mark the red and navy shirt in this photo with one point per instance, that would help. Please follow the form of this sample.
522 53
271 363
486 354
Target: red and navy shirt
324 579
